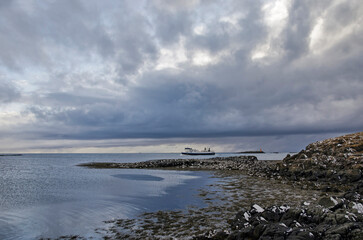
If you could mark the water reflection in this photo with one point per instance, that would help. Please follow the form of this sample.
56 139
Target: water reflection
50 197
138 177
46 195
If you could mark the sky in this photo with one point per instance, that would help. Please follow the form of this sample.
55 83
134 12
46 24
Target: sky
158 76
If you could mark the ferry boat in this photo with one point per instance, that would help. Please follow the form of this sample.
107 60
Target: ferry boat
191 151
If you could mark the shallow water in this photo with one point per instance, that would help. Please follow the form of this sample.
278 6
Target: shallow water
47 195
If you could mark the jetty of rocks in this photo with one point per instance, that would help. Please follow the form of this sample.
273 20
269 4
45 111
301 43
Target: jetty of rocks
244 163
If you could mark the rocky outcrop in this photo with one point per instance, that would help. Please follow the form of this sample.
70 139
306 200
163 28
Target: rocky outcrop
333 160
337 161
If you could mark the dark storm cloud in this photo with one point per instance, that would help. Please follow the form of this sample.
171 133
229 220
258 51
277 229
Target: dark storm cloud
296 39
34 30
32 27
92 70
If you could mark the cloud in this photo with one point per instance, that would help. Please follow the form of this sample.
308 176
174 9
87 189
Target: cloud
8 92
81 70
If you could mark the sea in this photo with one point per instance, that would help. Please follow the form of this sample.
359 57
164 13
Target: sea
48 195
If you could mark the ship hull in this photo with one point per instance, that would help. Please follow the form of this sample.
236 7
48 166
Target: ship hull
198 153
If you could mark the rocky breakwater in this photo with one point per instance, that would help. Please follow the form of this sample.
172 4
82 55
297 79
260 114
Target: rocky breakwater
335 163
248 164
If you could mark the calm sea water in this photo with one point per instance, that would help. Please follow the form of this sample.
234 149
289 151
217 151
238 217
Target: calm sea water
47 195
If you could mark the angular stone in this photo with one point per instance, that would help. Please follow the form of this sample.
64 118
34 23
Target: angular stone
342 230
300 234
327 202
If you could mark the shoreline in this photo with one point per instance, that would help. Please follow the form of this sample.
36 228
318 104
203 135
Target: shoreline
223 200
330 171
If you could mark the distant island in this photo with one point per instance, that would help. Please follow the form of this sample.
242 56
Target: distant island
6 155
256 151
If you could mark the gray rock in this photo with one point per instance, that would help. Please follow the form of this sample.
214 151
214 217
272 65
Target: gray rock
301 234
343 229
327 202
275 231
